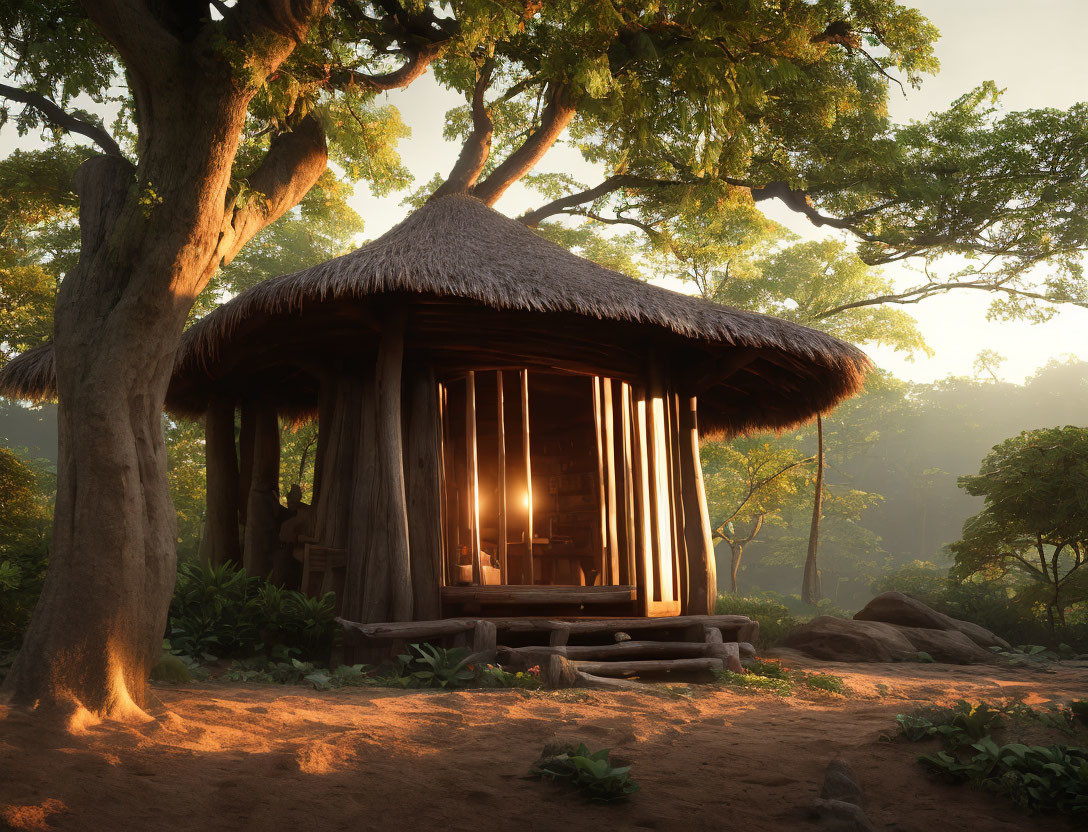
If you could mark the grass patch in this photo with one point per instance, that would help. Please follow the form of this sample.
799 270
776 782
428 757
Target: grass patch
753 681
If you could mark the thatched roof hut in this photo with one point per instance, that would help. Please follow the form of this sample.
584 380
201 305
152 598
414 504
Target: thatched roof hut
492 275
426 503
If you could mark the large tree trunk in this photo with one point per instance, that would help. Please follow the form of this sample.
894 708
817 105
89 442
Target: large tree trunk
811 591
151 238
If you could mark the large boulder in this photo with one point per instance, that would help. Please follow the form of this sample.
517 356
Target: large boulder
904 611
844 640
950 646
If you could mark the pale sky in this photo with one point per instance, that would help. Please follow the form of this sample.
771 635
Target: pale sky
1035 51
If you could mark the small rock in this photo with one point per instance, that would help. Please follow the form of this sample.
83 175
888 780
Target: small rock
621 636
747 651
840 783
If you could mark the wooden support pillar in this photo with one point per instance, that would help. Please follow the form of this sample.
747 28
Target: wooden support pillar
645 548
325 403
262 537
699 543
610 483
602 488
379 571
677 501
220 543
659 485
500 431
472 478
629 514
448 518
247 424
528 472
423 477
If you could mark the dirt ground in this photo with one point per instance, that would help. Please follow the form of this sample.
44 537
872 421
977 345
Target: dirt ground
286 758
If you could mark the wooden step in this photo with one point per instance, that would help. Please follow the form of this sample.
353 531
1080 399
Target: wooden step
621 650
659 666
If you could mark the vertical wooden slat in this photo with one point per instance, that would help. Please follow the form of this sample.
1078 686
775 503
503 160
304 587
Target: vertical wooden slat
501 432
702 570
443 485
261 542
602 499
677 500
472 477
644 536
610 483
659 486
528 470
628 481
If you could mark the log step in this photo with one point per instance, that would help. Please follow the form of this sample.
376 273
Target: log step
659 666
623 649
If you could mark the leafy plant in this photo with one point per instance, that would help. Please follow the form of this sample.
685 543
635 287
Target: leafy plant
753 681
223 611
590 772
494 676
427 666
825 682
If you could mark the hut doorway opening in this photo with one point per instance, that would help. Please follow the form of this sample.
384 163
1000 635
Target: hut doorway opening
550 481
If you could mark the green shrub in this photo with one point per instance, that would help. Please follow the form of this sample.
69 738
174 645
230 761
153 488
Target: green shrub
774 617
427 666
26 489
1037 778
494 676
291 671
753 681
221 611
590 772
825 682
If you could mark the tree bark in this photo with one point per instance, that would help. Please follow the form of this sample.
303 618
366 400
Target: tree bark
150 242
220 542
811 591
263 504
737 551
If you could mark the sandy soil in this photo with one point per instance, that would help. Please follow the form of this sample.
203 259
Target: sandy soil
284 758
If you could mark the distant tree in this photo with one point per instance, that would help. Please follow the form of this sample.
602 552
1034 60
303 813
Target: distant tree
750 482
1035 519
987 363
26 490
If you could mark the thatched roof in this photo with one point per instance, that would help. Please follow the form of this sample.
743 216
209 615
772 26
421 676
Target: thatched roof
458 253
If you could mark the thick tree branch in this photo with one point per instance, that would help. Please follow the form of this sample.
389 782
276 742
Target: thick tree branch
293 164
63 119
144 44
556 116
470 163
419 58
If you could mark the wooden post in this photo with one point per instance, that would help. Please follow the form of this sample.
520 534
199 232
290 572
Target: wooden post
379 570
500 430
528 471
644 535
472 476
247 423
676 500
610 483
602 489
220 542
422 479
450 503
326 401
333 505
702 572
262 537
628 480
659 485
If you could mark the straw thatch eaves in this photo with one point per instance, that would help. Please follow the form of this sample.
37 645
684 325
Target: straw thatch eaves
482 290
